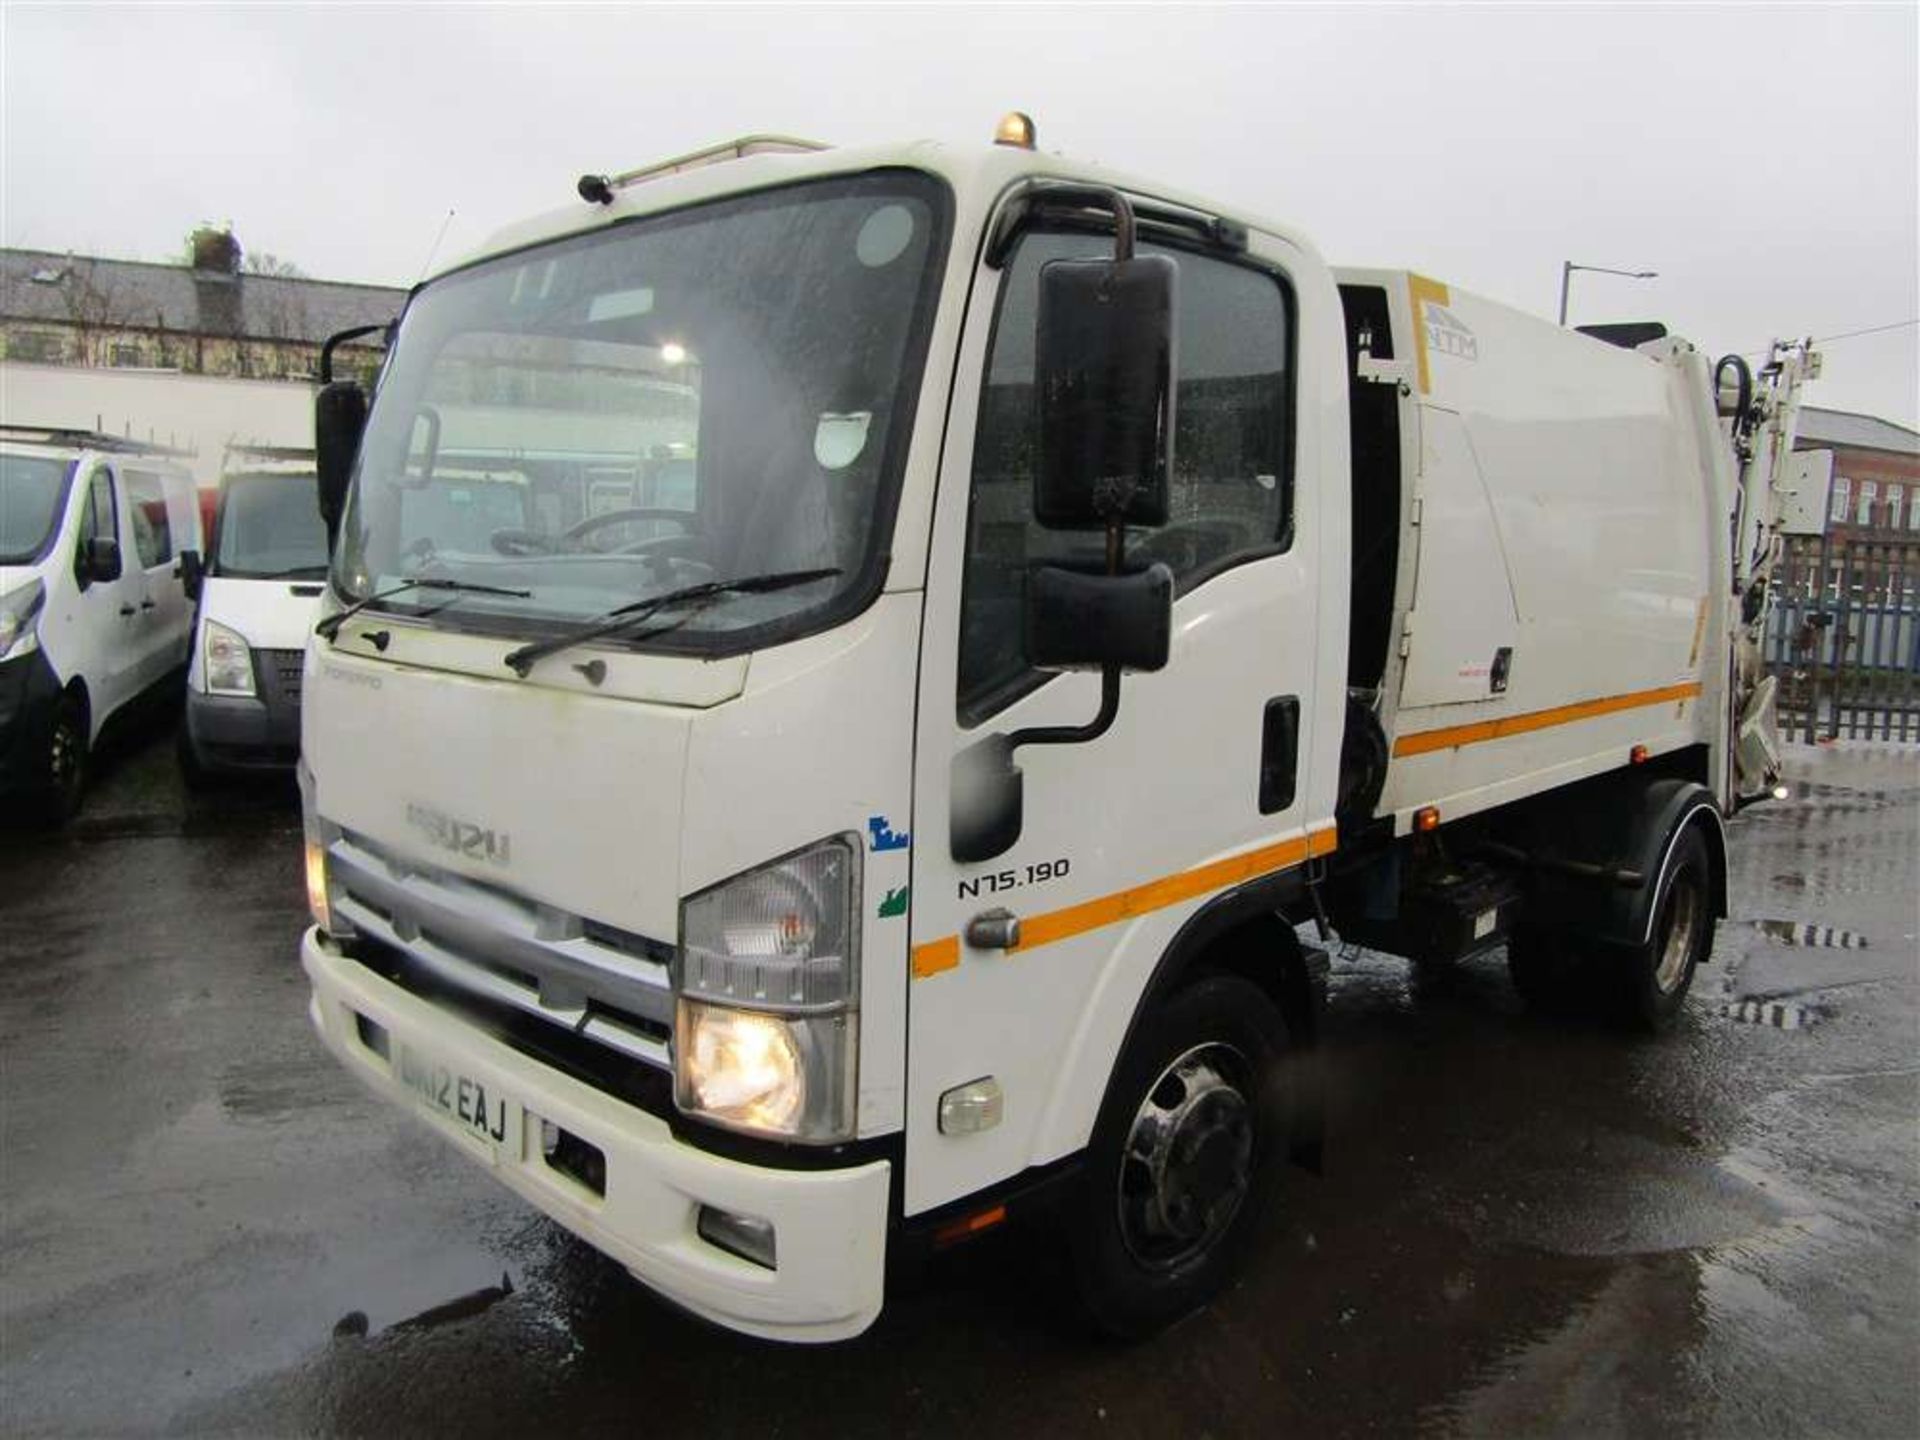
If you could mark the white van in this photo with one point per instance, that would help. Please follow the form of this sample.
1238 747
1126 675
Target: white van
266 565
99 544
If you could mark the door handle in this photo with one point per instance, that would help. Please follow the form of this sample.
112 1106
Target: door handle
994 930
127 610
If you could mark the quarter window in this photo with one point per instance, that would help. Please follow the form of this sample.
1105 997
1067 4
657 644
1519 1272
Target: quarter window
152 534
1232 492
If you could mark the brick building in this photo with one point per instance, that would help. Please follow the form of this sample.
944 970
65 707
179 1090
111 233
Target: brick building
209 317
1876 474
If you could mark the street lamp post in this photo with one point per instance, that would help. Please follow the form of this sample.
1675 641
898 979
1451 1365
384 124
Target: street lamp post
1567 267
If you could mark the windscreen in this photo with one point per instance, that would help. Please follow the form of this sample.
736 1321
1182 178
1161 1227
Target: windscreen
270 527
32 489
721 393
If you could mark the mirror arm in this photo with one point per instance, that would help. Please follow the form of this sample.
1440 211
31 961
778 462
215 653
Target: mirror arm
334 341
1109 674
1077 734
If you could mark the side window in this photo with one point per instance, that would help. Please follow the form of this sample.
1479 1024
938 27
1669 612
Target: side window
1232 492
152 533
99 521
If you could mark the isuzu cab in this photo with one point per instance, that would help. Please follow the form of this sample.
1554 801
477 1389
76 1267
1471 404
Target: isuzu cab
847 676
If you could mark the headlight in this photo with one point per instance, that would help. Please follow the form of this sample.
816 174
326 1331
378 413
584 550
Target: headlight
229 663
318 904
766 1031
18 610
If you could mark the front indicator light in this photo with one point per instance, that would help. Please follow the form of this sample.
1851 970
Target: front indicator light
317 905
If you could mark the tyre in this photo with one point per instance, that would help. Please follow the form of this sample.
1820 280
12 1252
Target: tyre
1552 973
64 766
1185 1157
1654 977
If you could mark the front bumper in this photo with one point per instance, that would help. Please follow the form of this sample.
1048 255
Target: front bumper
831 1225
231 733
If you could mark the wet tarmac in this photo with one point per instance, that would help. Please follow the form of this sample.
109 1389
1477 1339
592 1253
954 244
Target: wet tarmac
1523 1228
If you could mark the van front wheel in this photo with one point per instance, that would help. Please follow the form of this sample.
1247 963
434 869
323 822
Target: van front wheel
1185 1156
64 770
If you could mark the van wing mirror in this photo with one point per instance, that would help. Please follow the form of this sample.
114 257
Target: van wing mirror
339 420
100 558
192 571
1103 382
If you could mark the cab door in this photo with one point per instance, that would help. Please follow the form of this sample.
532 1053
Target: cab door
102 646
1203 781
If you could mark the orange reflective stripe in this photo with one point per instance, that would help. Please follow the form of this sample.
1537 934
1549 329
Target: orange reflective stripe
1045 929
1428 740
935 956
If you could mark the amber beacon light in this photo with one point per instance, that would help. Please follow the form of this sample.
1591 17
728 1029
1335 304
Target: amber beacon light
1016 129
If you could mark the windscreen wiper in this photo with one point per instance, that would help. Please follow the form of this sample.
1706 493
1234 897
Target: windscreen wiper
330 627
636 614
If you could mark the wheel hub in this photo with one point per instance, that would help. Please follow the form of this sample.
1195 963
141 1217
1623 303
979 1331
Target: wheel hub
1683 918
1188 1162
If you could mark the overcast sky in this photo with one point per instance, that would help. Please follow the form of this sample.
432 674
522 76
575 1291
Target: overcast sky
1762 158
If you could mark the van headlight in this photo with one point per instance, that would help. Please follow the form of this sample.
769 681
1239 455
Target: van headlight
19 608
228 660
766 1029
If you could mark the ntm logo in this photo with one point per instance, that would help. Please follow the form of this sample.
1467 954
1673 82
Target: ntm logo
462 837
1448 334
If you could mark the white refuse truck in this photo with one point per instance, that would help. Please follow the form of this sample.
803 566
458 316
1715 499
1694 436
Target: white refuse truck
848 675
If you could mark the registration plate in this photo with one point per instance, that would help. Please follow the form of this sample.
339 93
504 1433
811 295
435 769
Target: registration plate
488 1116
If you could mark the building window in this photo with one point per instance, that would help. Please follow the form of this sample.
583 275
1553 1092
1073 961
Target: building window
125 357
1895 495
37 347
1842 492
1869 492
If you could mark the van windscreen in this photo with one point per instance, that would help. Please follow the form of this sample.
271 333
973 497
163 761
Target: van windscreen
270 527
32 489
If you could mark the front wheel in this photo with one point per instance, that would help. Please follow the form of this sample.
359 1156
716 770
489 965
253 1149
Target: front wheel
1185 1156
64 768
1656 974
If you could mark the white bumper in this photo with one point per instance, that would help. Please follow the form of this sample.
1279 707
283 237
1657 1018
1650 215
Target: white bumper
830 1225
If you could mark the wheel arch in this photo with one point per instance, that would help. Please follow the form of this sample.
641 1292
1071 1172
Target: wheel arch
76 687
1244 932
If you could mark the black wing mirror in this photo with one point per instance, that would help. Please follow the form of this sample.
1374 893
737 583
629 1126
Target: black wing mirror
192 572
1103 377
339 420
100 559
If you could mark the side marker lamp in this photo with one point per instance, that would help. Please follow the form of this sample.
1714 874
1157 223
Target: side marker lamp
1426 818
